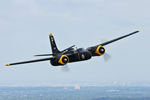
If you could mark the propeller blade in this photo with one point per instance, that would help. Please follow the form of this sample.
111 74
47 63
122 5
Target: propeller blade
31 61
107 57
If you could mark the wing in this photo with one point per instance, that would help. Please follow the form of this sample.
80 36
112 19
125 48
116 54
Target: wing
96 50
119 38
113 40
31 61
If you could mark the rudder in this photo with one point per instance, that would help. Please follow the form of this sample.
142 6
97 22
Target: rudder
53 45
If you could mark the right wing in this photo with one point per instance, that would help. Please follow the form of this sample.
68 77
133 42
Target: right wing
31 61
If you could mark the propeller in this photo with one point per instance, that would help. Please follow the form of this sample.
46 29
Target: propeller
107 57
65 68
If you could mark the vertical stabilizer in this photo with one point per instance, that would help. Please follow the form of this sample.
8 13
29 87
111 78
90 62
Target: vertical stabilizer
53 45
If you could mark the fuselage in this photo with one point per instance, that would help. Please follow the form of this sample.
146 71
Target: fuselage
80 54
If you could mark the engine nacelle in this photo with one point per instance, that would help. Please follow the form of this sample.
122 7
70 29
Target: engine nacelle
60 60
100 50
64 59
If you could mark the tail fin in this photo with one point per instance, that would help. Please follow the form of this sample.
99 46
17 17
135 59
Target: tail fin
53 45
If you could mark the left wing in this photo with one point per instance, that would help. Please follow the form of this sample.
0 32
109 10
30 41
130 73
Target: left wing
119 38
100 50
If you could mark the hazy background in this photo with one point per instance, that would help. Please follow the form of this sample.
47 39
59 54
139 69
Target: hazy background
25 26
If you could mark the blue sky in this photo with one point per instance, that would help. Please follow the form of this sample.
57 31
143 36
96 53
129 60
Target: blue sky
26 24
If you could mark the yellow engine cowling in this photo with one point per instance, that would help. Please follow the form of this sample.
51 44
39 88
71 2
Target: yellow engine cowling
64 59
100 50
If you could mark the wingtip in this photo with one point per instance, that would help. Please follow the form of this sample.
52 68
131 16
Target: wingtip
51 35
7 65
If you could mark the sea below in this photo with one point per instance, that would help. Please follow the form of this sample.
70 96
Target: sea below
71 93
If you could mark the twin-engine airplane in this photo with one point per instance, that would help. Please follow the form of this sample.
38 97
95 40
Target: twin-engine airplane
71 54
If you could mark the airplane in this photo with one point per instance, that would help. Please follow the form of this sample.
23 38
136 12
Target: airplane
70 55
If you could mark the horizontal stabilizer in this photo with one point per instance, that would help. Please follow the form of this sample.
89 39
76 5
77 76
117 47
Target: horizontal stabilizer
44 55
